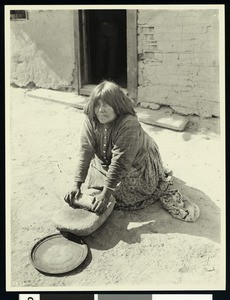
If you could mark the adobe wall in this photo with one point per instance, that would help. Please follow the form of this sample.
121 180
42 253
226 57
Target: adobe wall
42 49
178 62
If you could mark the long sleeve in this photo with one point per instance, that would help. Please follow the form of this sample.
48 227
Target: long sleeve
124 151
86 151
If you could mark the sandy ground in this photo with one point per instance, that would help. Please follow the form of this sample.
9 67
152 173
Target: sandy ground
146 249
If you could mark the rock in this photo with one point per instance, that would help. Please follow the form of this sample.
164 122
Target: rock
154 106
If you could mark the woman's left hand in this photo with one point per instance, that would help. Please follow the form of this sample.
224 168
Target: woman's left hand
100 203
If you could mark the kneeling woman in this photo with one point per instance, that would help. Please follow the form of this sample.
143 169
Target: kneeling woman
119 157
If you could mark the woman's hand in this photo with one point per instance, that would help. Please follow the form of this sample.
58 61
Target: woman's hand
72 196
101 201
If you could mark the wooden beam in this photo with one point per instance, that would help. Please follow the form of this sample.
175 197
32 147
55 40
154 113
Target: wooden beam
77 72
132 69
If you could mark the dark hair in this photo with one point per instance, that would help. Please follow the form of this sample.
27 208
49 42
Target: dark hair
111 93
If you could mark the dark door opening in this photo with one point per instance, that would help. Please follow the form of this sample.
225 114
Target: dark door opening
107 46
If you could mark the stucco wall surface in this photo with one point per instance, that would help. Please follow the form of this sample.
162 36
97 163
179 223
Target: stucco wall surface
42 49
178 60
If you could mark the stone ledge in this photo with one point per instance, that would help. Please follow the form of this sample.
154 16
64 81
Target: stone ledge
159 117
66 98
162 119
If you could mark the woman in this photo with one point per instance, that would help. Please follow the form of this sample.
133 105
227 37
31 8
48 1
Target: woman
118 155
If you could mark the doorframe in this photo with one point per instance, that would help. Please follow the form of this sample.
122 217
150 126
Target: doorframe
132 66
77 70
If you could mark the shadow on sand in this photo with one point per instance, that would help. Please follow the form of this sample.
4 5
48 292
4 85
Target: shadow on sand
128 226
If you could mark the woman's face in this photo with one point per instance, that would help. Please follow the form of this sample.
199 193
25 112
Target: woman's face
104 112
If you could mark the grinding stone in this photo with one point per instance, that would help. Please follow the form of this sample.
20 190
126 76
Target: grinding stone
79 221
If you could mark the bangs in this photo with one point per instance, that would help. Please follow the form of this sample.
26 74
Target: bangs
111 94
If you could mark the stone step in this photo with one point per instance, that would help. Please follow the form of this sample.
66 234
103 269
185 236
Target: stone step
158 117
162 118
66 98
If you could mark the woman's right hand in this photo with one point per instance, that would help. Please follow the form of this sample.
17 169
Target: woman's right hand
72 196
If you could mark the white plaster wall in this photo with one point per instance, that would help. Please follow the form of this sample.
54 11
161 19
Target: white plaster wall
178 60
42 49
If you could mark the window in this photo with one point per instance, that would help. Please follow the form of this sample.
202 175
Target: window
18 15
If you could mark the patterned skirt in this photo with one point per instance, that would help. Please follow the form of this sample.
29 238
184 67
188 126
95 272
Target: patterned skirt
140 188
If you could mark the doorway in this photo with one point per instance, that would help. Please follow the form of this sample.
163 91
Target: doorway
106 48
